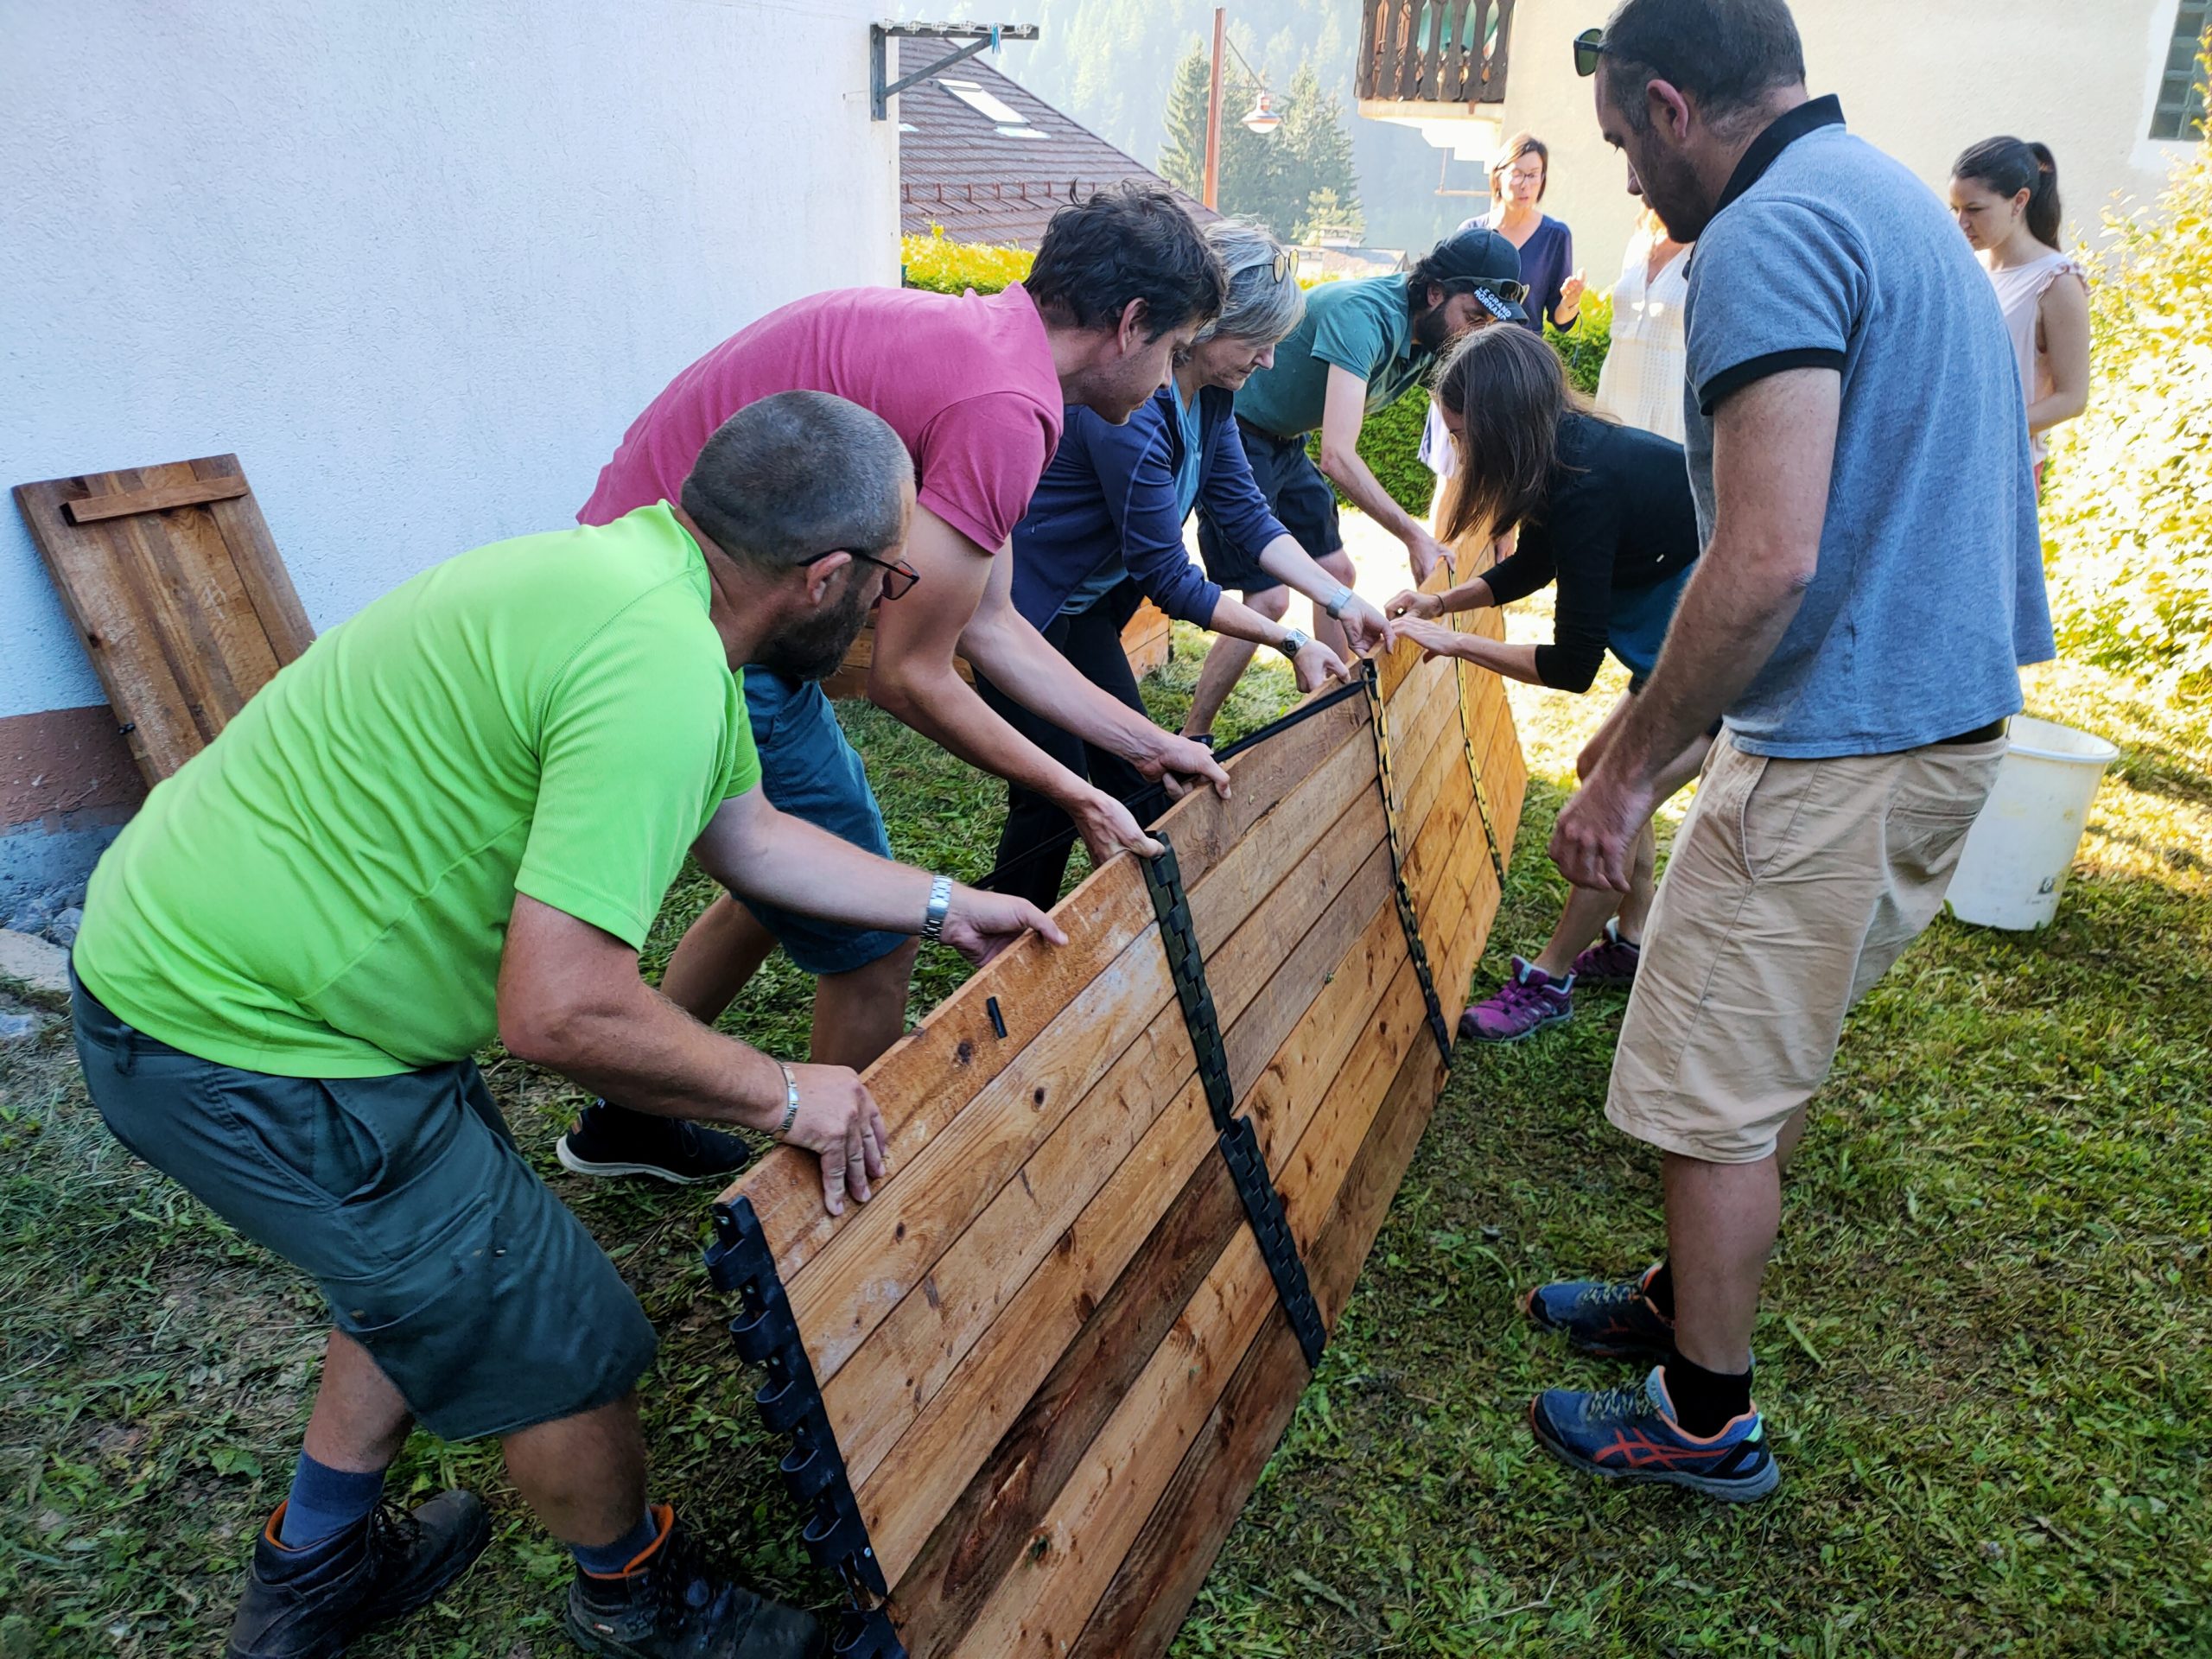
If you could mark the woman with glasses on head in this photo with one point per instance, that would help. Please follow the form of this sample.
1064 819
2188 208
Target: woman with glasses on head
1606 517
2004 195
1104 532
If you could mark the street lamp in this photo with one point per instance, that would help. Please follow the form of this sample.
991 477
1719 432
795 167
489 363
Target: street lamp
1261 118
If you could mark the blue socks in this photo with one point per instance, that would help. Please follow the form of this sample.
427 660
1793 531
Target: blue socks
608 1560
326 1501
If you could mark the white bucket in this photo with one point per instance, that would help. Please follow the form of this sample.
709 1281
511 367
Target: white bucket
2018 853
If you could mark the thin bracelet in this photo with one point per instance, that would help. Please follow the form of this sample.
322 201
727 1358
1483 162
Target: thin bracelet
791 1100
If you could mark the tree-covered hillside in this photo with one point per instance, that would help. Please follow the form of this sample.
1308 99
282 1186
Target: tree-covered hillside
1111 64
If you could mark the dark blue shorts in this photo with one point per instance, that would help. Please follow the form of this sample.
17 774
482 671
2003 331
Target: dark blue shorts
1638 626
475 1290
811 770
1296 493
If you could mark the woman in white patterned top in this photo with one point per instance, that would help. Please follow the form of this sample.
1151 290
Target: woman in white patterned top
2005 195
1642 382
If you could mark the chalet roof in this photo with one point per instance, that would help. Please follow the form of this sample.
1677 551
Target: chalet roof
984 178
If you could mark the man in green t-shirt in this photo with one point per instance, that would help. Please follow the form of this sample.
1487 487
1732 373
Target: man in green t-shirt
453 820
1363 344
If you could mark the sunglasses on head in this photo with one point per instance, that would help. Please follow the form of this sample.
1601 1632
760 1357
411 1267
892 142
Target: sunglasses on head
1589 46
1278 264
898 578
1511 292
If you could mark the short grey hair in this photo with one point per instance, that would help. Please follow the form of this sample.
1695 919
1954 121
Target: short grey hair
1258 307
797 475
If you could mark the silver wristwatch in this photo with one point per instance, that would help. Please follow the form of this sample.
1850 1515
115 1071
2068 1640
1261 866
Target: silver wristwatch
940 906
1335 608
1293 640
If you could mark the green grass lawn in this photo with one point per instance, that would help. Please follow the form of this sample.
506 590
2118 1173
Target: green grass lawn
1983 1356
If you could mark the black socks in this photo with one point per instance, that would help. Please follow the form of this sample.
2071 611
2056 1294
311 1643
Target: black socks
1706 1402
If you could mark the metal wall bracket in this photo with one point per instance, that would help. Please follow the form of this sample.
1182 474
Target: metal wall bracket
1395 835
1238 1144
790 1403
980 36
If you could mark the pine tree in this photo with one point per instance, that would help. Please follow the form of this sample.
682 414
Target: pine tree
1317 145
1183 157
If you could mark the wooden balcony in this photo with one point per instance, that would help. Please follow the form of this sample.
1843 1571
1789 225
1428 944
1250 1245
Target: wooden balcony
1415 56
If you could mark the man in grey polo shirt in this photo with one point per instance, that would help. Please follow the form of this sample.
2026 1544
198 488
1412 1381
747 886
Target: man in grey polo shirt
1872 577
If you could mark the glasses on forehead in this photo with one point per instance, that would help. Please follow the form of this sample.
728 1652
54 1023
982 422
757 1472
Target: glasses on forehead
898 578
1589 46
1278 264
1511 292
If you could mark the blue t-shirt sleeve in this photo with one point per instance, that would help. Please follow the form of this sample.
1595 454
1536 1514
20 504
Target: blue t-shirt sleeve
1233 500
1776 284
1139 481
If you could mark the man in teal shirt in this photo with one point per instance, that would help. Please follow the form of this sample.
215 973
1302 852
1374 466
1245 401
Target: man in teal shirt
1362 345
453 820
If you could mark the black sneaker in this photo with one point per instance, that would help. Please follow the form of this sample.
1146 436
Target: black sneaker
667 1605
615 1140
308 1602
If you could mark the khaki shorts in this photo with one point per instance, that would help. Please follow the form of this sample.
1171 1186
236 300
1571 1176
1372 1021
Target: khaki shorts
1793 886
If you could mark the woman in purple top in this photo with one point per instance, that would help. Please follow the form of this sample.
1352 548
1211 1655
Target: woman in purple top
1517 179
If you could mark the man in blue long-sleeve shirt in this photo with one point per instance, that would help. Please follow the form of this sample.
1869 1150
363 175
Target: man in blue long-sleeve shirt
1104 532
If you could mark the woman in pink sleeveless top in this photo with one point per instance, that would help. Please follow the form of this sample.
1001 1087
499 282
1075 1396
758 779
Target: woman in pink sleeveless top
2005 195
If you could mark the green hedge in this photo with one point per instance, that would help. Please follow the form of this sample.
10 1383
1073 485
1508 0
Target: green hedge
1389 443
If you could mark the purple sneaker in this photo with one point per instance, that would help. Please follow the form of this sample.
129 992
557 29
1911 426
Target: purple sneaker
1611 961
1528 1001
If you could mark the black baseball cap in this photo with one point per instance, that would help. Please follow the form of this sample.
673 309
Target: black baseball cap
1486 260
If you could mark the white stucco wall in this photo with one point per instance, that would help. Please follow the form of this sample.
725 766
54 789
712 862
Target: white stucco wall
1922 81
417 262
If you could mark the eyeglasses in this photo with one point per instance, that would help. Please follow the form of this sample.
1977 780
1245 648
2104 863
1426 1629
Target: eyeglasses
1589 46
898 578
1278 264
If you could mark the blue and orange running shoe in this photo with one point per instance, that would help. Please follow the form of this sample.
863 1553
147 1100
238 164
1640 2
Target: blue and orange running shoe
1613 1319
1630 1433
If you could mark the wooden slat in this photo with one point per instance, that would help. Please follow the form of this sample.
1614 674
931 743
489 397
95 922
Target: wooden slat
94 508
1073 1553
1148 639
175 586
1453 72
906 1492
885 1253
927 1078
1144 1605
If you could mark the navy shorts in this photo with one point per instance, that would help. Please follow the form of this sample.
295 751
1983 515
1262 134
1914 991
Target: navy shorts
1296 493
811 770
1638 626
475 1290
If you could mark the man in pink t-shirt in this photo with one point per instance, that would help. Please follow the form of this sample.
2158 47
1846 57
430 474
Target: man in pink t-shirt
976 388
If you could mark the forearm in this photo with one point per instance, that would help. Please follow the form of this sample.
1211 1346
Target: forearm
1023 665
787 861
2047 412
1289 564
646 1052
935 701
1344 468
1514 662
1238 621
1473 595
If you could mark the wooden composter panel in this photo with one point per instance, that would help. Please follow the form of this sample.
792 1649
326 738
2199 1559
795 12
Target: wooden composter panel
1032 1384
177 591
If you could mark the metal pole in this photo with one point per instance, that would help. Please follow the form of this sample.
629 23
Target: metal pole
1212 196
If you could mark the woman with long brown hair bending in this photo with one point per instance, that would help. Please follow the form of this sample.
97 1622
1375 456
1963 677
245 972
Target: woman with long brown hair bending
1604 512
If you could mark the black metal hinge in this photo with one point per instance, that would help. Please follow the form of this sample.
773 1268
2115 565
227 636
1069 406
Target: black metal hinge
1234 1136
1395 834
790 1403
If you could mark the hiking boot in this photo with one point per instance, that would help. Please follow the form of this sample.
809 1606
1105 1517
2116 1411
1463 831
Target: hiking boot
615 1140
1613 1319
667 1605
1611 961
1630 1433
308 1602
1529 1001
